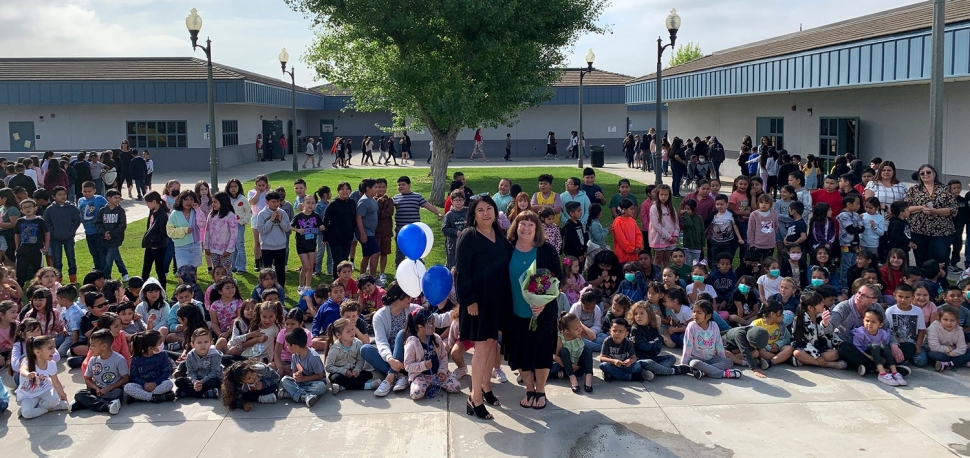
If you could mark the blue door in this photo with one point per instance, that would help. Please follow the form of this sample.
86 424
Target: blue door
22 136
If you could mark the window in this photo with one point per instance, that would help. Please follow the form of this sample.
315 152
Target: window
157 134
230 133
774 129
837 136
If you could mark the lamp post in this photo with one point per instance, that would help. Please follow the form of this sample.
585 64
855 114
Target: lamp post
590 57
193 22
284 58
673 25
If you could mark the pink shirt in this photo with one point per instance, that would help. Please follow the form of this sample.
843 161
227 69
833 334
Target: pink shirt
285 354
225 313
220 234
372 303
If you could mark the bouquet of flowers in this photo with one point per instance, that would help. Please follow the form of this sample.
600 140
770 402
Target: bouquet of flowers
539 287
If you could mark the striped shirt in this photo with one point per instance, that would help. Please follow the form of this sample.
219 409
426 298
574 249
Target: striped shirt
407 209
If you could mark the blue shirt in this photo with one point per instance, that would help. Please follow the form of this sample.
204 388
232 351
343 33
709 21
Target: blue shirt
520 263
327 314
89 212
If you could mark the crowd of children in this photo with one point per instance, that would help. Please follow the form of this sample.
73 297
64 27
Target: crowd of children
669 280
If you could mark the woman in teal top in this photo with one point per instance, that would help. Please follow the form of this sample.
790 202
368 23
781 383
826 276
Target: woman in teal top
530 352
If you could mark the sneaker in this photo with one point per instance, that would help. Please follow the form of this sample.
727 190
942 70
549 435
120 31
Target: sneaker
795 362
888 379
764 363
732 373
114 407
336 388
310 400
125 278
862 370
941 366
460 372
697 374
499 375
382 280
169 397
63 405
607 377
899 378
383 389
75 362
174 346
840 365
73 278
647 375
681 369
267 399
211 394
400 384
560 374
904 370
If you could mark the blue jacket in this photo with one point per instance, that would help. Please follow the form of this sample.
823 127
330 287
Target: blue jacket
328 313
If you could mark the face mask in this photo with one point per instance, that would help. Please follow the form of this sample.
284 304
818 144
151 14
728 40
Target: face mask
702 161
698 278
967 294
774 272
630 277
795 256
816 282
744 289
174 192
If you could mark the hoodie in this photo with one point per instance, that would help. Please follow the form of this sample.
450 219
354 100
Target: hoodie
143 308
62 221
204 368
112 221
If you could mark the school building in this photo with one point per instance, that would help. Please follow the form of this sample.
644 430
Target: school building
859 86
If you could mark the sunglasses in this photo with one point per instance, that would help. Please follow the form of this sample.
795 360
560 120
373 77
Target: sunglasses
925 173
100 306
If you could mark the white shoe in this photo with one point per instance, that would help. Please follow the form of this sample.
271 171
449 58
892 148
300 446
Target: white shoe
382 280
888 379
267 399
460 372
63 405
383 389
400 384
335 388
899 379
310 400
499 375
114 407
125 278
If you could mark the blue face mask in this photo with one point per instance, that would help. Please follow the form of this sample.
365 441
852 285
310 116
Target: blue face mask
630 277
697 278
774 272
816 282
744 289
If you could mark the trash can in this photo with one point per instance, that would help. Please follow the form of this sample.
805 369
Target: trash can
597 155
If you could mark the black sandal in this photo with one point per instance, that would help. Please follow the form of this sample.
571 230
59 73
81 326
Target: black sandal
588 388
529 396
479 411
543 397
575 389
490 398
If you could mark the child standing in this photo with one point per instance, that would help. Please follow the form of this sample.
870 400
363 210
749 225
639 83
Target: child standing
723 231
703 349
425 356
762 227
249 381
850 227
39 390
873 341
63 219
664 228
104 376
947 344
221 230
692 228
112 223
781 208
203 369
31 238
309 379
308 226
453 223
150 370
874 226
573 235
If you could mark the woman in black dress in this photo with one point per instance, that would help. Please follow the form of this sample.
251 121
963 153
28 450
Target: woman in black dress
529 350
483 288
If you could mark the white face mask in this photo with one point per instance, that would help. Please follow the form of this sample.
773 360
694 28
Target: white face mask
702 161
795 256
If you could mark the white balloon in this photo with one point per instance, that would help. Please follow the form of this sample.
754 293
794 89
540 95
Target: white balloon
409 275
429 237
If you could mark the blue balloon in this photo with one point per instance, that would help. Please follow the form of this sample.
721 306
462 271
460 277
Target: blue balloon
412 241
436 284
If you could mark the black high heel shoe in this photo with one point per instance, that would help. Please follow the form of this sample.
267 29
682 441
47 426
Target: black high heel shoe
479 411
490 398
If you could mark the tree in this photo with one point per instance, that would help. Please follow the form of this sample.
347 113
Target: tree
446 64
685 53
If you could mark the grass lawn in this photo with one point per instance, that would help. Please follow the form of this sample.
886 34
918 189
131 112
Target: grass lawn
479 179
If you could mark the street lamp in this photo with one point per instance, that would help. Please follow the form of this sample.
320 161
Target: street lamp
590 57
284 58
193 22
673 25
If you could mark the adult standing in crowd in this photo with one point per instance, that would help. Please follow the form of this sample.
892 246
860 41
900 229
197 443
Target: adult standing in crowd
259 146
716 155
886 187
528 350
678 164
138 172
931 212
483 288
124 165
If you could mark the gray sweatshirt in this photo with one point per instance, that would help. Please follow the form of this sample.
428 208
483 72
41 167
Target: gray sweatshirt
844 318
341 359
204 368
62 221
272 234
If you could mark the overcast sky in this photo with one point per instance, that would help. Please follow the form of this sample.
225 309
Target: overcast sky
249 34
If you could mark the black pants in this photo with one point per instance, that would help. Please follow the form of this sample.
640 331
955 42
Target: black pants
585 362
881 355
156 257
717 168
908 349
351 383
957 244
277 259
89 400
183 387
253 396
508 153
29 261
340 251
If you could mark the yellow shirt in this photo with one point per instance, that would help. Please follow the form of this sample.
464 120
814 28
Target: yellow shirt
774 331
541 200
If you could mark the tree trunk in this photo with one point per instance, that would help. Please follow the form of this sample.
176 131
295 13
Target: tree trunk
444 142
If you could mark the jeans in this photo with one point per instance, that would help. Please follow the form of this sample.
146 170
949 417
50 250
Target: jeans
596 345
585 363
743 247
717 168
156 257
679 171
89 400
624 374
372 355
297 389
184 387
678 339
170 254
276 258
957 361
660 364
239 255
693 256
112 256
68 248
64 347
935 247
909 354
714 367
323 248
140 186
96 250
846 263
